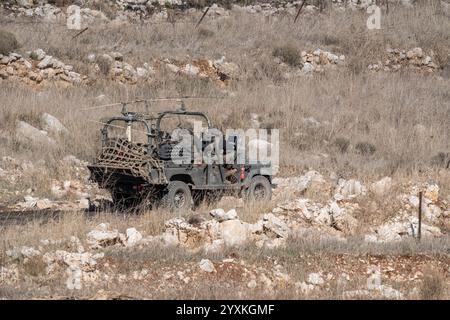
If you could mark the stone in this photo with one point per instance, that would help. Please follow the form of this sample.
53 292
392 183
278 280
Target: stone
45 63
141 72
74 275
304 288
32 134
216 246
52 124
117 56
275 225
227 70
382 186
345 223
133 237
22 252
395 231
390 293
207 266
315 279
220 215
432 192
37 54
25 3
418 52
91 57
191 70
233 232
43 204
84 204
101 237
173 68
349 189
352 294
307 68
252 284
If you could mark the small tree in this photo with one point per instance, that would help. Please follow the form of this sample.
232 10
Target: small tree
8 42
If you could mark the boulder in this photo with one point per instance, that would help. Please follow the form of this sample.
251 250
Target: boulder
275 225
45 63
32 134
173 68
52 124
141 72
220 215
432 192
315 279
179 232
43 204
233 232
37 54
191 70
382 186
207 266
133 237
349 189
101 237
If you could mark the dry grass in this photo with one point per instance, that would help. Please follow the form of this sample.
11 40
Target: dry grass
8 42
433 285
376 114
300 257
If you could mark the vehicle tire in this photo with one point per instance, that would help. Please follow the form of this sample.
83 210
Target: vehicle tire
177 197
258 190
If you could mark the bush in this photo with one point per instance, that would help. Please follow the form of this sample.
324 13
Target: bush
205 33
433 286
365 148
342 144
8 42
104 64
288 54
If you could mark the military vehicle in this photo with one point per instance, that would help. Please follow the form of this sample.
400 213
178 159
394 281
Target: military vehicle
136 163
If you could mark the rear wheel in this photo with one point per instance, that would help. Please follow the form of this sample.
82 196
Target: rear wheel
178 197
259 190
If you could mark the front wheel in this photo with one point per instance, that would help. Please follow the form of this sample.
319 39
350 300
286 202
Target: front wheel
259 189
178 197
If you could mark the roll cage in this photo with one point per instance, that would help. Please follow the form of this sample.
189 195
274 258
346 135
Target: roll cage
152 124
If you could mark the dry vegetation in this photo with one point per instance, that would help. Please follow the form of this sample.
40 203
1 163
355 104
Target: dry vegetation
371 125
370 120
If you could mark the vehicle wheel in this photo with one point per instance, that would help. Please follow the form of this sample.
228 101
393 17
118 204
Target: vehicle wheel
259 190
178 196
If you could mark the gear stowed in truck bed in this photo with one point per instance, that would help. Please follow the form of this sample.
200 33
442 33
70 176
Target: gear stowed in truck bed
132 158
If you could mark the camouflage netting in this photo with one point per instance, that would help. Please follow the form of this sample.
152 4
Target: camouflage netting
124 155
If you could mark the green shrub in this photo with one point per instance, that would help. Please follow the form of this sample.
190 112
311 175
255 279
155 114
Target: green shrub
205 33
433 286
342 144
365 148
289 55
104 64
8 42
